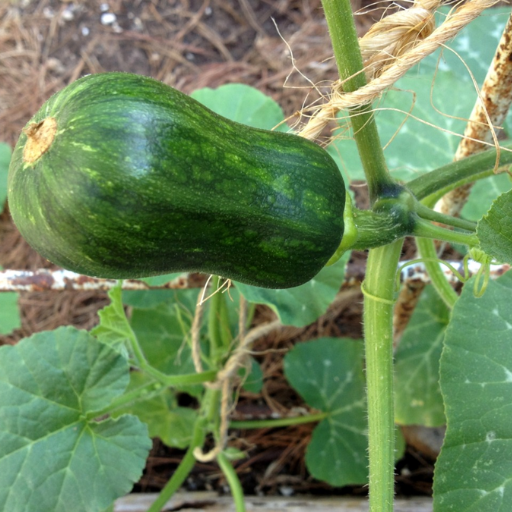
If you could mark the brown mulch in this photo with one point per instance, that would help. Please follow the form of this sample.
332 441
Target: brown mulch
278 46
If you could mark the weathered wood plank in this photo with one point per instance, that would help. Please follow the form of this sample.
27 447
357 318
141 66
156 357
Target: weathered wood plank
211 502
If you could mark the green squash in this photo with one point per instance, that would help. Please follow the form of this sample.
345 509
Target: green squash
121 176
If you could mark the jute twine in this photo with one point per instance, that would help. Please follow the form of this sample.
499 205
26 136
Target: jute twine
391 47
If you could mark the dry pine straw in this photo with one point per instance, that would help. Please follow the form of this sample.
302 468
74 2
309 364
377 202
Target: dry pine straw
41 52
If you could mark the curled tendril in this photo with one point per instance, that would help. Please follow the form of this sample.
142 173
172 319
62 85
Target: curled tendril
484 271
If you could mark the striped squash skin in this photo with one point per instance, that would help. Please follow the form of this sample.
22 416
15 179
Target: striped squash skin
142 180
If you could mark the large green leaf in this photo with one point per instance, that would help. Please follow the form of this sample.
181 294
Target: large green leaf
243 104
473 47
5 158
163 332
52 458
253 382
161 280
483 193
146 299
150 298
303 304
443 92
9 312
494 230
474 470
432 146
418 399
328 374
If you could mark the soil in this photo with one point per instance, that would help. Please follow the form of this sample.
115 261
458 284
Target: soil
46 44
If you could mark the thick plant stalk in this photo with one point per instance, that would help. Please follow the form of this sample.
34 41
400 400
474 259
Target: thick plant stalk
382 263
492 106
183 469
379 300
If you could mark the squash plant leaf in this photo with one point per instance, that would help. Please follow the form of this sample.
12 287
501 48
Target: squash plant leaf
53 455
162 332
475 46
328 374
161 280
473 471
418 399
436 82
483 193
253 382
243 104
494 230
114 328
159 410
9 312
5 158
303 304
146 299
150 298
434 147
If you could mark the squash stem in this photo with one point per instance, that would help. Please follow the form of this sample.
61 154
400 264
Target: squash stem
233 481
382 264
144 392
183 470
186 379
225 333
214 324
342 30
207 416
379 300
428 214
425 229
281 422
428 253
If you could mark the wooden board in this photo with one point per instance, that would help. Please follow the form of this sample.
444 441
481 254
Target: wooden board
211 502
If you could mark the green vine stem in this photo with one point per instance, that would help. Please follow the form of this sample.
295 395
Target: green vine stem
233 481
379 300
342 30
425 229
428 252
428 214
179 380
281 422
460 172
381 269
214 325
184 468
145 392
